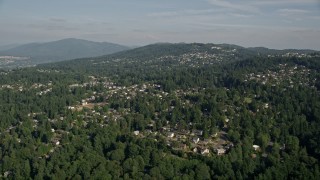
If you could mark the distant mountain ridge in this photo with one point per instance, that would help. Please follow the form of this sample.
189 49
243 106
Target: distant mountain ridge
8 46
168 55
87 53
64 49
264 50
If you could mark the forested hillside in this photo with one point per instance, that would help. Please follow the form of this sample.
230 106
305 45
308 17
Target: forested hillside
164 111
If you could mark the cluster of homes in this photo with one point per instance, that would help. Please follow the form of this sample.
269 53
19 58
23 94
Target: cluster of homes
44 88
286 73
6 60
48 71
298 55
190 141
184 140
195 59
204 57
44 91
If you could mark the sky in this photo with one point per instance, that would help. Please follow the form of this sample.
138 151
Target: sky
279 24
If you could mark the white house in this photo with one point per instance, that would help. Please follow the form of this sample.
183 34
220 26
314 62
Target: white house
195 150
196 140
220 151
170 134
205 151
256 147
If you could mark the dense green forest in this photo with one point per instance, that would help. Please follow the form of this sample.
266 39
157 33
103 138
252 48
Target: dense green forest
165 111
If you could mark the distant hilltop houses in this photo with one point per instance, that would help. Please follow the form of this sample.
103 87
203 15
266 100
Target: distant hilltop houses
14 61
13 58
295 54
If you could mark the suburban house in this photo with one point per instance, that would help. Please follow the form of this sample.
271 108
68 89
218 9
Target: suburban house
170 134
205 151
220 151
256 147
196 140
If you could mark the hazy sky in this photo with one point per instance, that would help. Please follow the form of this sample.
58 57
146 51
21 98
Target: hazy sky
271 23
